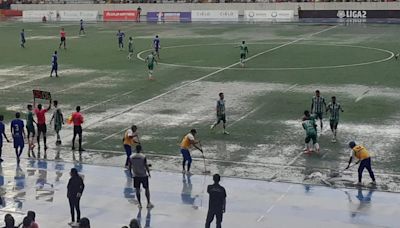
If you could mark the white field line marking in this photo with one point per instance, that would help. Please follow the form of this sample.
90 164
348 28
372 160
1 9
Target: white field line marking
256 109
290 88
25 82
211 74
362 96
391 54
274 204
273 176
244 116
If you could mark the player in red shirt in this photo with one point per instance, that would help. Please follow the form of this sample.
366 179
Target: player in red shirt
41 125
77 120
63 37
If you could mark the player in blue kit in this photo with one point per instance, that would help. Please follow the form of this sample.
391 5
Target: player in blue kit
121 37
54 64
2 133
23 40
18 134
157 46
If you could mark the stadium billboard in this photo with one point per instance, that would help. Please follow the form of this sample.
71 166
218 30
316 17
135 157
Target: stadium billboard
169 16
89 15
349 14
215 15
37 15
120 15
268 15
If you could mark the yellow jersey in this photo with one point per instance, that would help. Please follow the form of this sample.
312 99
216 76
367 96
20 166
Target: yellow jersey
360 152
129 138
185 144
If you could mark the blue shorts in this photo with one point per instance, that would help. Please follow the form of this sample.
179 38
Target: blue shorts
54 67
186 154
18 143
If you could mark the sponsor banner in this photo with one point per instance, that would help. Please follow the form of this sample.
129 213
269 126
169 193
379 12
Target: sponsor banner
349 14
120 15
268 14
11 13
90 15
169 16
37 15
215 15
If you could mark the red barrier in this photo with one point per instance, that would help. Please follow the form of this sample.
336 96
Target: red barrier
120 15
11 13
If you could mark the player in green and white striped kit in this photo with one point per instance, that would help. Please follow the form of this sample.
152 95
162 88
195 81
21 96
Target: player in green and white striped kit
318 106
130 48
151 60
244 50
310 127
334 109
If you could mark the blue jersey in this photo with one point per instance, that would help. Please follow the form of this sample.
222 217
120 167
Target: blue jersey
1 132
22 36
54 60
18 128
120 36
156 43
81 24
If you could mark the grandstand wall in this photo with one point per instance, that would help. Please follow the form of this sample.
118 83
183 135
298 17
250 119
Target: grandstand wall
183 7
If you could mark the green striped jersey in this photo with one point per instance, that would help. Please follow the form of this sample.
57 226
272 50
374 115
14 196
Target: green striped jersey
334 110
318 104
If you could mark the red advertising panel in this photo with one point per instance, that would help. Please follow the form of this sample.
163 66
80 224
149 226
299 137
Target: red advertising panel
120 15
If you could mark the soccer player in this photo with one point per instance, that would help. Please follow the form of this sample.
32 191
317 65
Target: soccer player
120 36
130 139
318 105
130 48
30 128
364 158
54 64
217 202
334 109
63 38
41 125
58 121
77 120
2 133
23 40
187 142
221 113
140 172
157 46
244 50
310 127
82 29
151 60
18 134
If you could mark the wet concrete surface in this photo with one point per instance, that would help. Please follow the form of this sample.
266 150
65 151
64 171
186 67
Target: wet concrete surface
181 201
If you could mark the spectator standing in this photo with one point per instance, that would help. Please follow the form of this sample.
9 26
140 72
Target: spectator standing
75 189
139 11
9 221
217 202
32 215
140 172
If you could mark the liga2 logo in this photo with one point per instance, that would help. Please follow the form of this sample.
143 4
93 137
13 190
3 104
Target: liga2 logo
352 14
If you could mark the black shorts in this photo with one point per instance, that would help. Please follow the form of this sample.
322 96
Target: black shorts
62 39
42 128
77 130
141 180
221 118
319 115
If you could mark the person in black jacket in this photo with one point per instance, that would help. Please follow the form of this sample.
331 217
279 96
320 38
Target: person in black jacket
217 202
75 190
